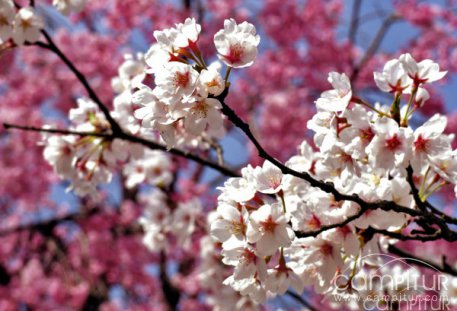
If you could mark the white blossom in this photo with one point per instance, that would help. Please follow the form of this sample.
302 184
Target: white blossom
236 44
27 26
6 19
269 229
338 99
426 71
393 78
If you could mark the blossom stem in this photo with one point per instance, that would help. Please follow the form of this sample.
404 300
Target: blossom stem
421 189
364 103
428 188
227 74
437 187
200 58
281 195
282 260
354 268
404 122
395 108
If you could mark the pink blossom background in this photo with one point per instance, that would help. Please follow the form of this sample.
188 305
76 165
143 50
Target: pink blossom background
60 252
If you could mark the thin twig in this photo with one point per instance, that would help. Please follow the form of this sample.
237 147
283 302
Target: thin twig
48 225
8 126
423 205
354 25
301 300
171 293
218 149
445 267
402 237
332 226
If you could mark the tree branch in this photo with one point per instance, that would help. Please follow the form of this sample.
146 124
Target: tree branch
399 236
46 226
353 27
171 293
8 126
134 139
374 45
328 187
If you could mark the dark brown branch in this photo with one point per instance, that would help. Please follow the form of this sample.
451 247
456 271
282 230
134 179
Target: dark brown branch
134 139
410 179
444 267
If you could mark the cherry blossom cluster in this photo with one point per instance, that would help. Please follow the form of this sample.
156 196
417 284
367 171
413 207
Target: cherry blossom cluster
263 218
183 106
88 161
24 24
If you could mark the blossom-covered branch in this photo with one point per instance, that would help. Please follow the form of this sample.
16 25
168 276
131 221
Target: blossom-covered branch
128 137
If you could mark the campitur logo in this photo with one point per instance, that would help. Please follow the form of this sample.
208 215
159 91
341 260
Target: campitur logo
391 283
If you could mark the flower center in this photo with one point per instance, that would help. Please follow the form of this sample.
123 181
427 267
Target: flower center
235 53
421 144
393 143
247 257
327 249
3 21
201 109
268 225
212 83
238 227
181 79
26 24
274 181
314 223
366 134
